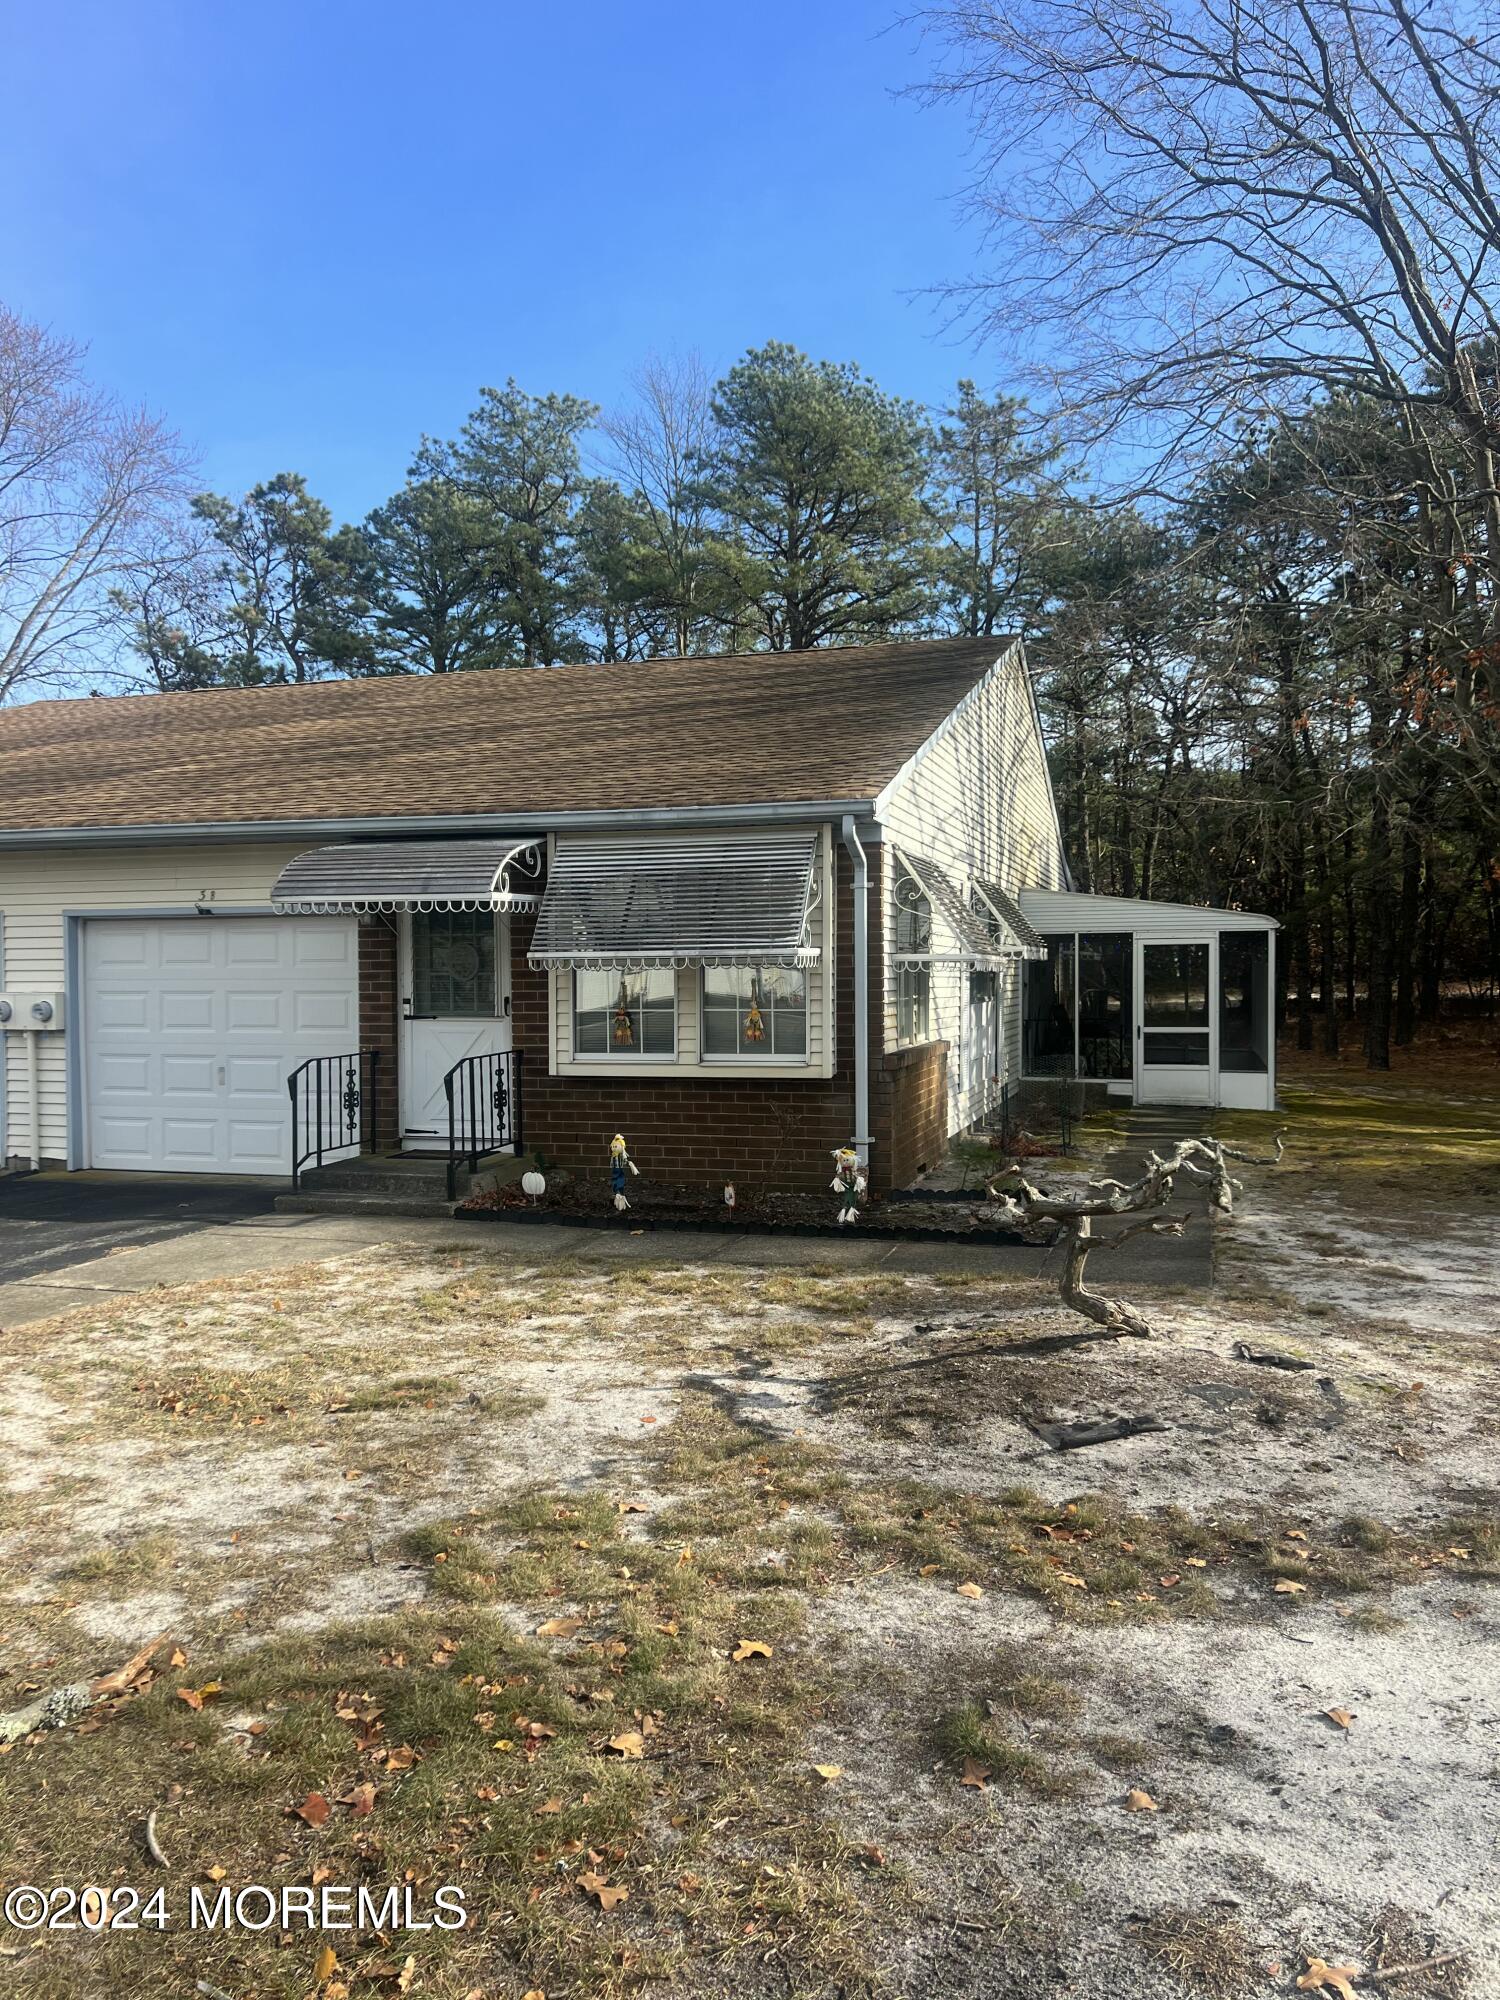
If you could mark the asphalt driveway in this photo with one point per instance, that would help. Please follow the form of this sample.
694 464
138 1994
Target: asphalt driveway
49 1221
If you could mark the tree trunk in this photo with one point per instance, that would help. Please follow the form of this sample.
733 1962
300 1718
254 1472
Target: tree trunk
1406 945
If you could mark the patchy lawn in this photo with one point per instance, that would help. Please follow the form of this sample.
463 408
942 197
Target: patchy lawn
729 1631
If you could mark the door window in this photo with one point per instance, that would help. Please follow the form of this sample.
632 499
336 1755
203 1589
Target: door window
453 962
1174 1006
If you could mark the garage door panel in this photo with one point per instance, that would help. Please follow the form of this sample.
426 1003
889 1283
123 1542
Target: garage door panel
253 1013
186 1010
118 1009
257 1076
192 1028
184 944
317 1013
261 1143
248 945
327 948
191 1076
124 1076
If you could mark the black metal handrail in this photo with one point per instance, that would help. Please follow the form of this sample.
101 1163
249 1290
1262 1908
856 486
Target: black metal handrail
333 1107
484 1109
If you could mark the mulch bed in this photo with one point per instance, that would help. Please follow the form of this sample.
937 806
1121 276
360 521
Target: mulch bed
590 1205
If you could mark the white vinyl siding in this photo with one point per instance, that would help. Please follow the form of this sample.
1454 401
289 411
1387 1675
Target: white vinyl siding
37 886
976 800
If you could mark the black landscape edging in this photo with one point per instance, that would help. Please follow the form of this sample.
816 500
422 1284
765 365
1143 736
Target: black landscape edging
631 1224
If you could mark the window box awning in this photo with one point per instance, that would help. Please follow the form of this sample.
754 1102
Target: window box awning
1013 917
968 941
672 900
412 875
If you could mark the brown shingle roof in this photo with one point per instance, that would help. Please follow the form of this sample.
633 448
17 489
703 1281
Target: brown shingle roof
737 729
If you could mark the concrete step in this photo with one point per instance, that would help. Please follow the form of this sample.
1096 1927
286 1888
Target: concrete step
341 1202
387 1168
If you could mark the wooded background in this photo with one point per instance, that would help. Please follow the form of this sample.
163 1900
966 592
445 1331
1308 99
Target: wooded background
1237 491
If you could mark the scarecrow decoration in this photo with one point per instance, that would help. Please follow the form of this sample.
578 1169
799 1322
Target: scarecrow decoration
729 1198
849 1183
620 1164
622 1034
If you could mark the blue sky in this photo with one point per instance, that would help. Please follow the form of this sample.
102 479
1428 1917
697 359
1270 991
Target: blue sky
308 232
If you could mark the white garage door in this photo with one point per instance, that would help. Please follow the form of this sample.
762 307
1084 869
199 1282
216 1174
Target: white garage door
192 1027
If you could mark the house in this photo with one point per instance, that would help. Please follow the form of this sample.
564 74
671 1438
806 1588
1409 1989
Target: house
741 908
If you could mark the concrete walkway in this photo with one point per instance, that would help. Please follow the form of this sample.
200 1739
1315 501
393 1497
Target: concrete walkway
70 1240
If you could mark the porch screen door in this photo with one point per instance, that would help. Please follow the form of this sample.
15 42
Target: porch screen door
1175 1031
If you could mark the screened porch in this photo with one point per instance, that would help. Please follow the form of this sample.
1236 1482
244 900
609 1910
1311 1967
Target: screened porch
1161 1002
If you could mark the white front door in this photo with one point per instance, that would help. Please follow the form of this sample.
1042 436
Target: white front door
455 1002
982 1043
192 1026
1176 1041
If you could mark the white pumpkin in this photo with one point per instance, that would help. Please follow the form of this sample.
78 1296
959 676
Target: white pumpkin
533 1183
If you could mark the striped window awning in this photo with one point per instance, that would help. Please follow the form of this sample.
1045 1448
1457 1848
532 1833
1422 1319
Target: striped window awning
672 900
412 875
1013 918
967 940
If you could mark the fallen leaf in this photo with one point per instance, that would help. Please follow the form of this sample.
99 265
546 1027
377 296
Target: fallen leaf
216 1873
969 1590
314 1809
974 1773
873 1854
1170 1582
606 1896
1197 1562
407 1974
929 1569
751 1649
1342 1716
548 1806
1287 1587
360 1800
195 1697
402 1757
1138 1801
534 1993
1073 1582
631 1507
559 1628
629 1743
829 1771
325 1964
1294 1535
1319 1974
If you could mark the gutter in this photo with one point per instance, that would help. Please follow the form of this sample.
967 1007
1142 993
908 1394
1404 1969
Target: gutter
861 991
619 819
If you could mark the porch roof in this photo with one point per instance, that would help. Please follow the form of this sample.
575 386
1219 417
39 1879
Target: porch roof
1054 910
665 900
412 875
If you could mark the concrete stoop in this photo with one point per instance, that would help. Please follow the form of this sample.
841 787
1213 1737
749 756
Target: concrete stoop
387 1184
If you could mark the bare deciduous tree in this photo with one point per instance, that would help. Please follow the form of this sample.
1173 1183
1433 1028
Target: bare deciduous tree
85 483
657 448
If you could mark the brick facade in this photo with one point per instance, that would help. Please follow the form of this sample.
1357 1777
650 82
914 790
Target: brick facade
909 1112
771 1133
379 1020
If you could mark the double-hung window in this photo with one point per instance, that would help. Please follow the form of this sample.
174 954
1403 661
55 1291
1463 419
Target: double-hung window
619 1013
912 941
754 1011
